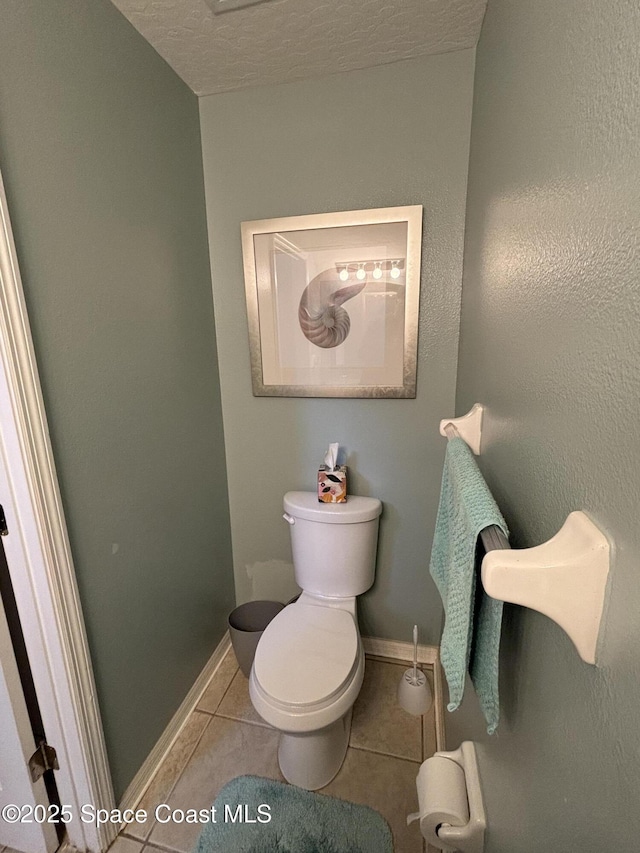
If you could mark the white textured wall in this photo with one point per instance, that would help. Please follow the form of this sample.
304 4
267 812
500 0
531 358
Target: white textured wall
386 136
550 343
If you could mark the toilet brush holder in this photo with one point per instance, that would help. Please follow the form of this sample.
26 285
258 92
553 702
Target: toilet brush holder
414 693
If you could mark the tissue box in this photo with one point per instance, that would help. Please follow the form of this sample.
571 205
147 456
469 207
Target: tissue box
332 485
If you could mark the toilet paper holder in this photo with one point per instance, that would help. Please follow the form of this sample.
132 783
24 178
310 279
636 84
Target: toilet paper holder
468 838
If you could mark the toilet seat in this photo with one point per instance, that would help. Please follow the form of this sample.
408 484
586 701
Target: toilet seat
307 657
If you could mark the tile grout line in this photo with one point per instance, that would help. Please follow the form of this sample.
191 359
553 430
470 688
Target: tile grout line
351 746
385 754
186 764
248 722
196 710
226 690
179 776
164 847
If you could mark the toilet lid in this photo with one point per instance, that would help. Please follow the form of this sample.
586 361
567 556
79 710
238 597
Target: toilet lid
306 654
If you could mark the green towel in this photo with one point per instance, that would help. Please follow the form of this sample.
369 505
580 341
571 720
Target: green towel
466 507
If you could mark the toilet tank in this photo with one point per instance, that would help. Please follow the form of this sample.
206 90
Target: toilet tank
334 545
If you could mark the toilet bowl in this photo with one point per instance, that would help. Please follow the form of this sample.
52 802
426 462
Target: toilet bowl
309 664
306 675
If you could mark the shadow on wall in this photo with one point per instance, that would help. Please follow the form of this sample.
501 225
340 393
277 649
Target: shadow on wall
383 584
271 580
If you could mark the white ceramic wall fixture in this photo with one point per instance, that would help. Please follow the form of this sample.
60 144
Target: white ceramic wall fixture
564 578
468 427
451 813
468 838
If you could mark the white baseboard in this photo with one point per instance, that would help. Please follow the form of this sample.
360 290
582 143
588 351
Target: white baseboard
143 777
396 650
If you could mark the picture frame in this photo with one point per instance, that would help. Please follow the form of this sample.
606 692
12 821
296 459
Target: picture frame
332 303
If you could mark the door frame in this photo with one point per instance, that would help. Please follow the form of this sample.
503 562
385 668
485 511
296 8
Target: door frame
45 585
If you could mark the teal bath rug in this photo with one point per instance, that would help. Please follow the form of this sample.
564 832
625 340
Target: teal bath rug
254 815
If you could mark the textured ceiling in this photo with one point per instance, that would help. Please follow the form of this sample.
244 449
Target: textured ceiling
286 40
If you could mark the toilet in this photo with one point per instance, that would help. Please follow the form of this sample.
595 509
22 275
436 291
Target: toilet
309 664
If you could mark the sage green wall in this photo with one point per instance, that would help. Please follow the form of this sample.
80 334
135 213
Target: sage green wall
550 343
392 135
100 152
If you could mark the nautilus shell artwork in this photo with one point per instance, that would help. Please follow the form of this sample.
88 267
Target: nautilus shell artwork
322 318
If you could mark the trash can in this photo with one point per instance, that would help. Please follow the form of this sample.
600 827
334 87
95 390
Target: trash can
246 625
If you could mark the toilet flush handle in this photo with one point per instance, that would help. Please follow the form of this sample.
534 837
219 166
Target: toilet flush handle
288 518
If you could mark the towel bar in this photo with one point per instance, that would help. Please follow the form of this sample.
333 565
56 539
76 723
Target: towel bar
493 539
564 578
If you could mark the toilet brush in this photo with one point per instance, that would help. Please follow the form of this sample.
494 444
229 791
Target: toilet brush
414 693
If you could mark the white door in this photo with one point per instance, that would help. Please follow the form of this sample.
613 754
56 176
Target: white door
44 583
24 806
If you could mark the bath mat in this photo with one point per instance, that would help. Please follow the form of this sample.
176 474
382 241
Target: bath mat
300 822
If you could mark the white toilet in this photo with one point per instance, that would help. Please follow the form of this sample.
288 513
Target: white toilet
309 664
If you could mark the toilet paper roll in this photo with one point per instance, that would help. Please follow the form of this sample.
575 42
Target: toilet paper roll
442 798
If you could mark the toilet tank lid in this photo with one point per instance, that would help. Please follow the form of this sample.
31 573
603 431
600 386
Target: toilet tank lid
356 509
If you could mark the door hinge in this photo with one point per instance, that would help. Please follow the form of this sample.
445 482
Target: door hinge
43 759
3 523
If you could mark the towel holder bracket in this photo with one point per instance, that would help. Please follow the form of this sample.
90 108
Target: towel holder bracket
468 427
564 578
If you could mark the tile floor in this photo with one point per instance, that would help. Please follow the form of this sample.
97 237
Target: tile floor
225 738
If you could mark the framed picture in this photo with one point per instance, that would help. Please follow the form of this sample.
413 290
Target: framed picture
332 303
